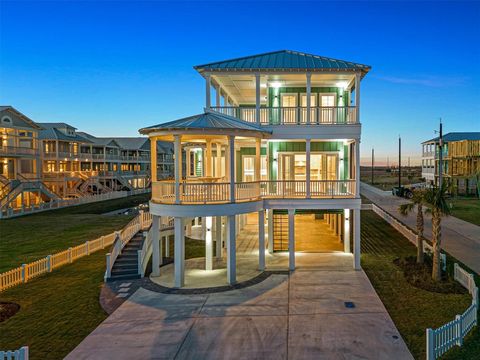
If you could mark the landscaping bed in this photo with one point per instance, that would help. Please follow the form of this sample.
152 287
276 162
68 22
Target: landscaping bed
420 276
7 310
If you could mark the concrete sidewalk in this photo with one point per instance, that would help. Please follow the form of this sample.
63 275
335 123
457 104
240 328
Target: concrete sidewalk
297 316
460 239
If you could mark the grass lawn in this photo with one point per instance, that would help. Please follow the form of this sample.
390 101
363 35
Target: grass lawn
466 208
412 309
387 180
28 238
60 309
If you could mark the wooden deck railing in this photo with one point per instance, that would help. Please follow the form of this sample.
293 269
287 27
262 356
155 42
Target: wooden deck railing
163 192
319 115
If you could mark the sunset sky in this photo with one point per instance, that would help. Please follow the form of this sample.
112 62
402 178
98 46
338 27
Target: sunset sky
110 68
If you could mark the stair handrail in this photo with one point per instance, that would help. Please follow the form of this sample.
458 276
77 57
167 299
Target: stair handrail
140 222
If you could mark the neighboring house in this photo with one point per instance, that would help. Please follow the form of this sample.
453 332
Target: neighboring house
283 138
20 162
461 160
41 162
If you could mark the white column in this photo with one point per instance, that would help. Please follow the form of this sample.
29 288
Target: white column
179 253
270 230
309 92
357 96
167 246
261 240
308 167
156 252
153 159
356 239
177 149
257 98
231 161
346 231
203 228
291 239
208 244
231 251
357 168
258 149
217 96
188 227
219 160
187 163
208 158
218 236
207 92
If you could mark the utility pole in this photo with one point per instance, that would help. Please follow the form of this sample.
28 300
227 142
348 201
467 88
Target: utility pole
399 162
373 162
440 155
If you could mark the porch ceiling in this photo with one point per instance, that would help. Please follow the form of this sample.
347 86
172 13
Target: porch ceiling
241 87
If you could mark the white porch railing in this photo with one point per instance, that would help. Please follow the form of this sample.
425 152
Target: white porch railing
204 193
442 339
319 115
20 354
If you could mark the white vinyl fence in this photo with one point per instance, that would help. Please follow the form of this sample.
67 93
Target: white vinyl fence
24 273
20 354
442 339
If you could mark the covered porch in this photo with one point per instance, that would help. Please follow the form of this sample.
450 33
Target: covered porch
316 241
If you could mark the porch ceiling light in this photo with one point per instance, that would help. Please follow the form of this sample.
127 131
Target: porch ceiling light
263 85
342 85
275 84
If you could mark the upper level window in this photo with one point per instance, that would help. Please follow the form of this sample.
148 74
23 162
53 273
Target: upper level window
6 120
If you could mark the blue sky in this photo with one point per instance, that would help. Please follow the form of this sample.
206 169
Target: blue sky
110 68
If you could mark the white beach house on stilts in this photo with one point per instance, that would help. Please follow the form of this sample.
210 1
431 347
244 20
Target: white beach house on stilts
281 142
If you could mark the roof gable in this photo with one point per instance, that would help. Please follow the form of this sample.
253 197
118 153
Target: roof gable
19 120
283 60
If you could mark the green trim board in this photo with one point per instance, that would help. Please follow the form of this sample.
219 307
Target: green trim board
239 162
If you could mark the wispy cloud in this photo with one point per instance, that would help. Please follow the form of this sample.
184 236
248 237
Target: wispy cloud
431 81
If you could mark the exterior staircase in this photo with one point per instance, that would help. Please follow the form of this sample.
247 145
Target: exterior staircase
126 265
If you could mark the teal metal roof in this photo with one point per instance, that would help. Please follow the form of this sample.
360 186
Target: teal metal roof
207 120
456 136
283 60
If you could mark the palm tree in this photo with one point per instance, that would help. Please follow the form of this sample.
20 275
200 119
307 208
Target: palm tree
436 199
417 202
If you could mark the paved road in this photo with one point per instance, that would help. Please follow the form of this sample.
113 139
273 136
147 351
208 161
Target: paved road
296 316
460 238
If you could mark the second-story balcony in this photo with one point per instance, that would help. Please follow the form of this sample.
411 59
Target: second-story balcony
319 115
200 192
17 151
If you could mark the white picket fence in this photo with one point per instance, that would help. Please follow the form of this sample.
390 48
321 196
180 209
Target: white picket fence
141 222
20 354
442 339
24 273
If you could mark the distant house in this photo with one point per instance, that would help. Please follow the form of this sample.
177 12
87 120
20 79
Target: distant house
461 160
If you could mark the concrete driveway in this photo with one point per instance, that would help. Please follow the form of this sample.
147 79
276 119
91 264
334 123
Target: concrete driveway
297 316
